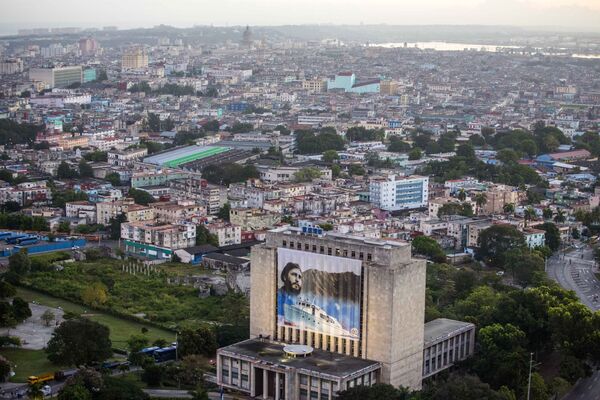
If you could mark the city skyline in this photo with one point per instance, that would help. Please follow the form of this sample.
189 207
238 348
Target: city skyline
581 15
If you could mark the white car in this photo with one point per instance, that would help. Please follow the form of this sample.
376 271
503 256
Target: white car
46 390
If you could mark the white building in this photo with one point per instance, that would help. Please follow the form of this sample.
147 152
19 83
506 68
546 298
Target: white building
534 237
393 193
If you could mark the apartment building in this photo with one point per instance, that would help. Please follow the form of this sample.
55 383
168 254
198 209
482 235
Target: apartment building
156 241
394 193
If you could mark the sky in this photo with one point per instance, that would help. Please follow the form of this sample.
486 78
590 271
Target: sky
15 14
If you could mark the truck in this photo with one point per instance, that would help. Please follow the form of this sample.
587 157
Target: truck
40 378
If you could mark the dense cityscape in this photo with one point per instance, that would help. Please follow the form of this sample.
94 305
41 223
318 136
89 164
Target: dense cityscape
299 212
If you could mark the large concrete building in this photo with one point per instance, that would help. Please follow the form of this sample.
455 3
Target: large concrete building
353 305
134 58
57 77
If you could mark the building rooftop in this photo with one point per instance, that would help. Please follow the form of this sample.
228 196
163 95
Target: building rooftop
290 230
443 328
321 362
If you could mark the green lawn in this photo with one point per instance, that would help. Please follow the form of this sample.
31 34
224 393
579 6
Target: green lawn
120 329
28 362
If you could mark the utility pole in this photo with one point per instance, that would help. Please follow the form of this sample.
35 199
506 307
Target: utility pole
529 380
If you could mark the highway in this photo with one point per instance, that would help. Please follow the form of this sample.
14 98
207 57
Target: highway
575 271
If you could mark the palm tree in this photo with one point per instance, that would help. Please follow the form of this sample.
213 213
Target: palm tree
509 208
529 214
462 195
480 200
560 217
547 213
35 391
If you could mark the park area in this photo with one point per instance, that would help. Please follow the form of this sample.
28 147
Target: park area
127 301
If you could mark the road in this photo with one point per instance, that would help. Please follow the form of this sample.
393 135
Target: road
575 271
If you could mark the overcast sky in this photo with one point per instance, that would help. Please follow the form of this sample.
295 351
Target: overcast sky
584 14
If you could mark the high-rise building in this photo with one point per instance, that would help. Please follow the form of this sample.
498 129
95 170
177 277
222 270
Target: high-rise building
134 58
60 77
328 312
9 67
88 46
394 193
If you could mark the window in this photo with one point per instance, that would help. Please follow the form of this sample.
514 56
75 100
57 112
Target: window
303 380
329 251
361 256
321 249
353 254
369 256
291 245
314 248
306 246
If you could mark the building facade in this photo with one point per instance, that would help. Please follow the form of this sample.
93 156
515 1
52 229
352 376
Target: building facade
393 193
341 296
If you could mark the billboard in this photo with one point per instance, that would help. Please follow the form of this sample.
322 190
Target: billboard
318 293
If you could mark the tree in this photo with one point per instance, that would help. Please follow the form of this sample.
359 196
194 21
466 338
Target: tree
508 208
379 391
529 214
21 310
201 341
136 343
524 265
4 369
539 390
95 294
547 213
114 225
495 241
224 212
212 126
502 359
307 142
240 127
355 169
141 196
34 391
114 178
427 246
19 263
398 146
152 123
48 316
552 235
203 236
462 195
559 218
330 156
119 389
307 174
199 393
74 392
415 154
85 170
64 171
480 201
64 227
464 387
153 374
79 341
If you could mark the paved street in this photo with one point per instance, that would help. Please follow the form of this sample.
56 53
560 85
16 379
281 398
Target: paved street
573 272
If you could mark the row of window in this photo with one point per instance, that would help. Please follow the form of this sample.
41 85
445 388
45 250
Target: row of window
339 344
444 354
330 251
